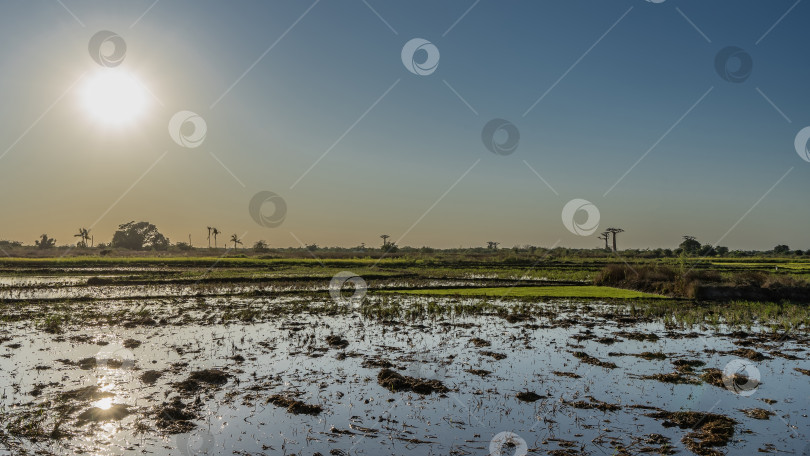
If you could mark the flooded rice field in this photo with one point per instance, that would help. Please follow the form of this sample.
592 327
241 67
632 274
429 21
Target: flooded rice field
225 371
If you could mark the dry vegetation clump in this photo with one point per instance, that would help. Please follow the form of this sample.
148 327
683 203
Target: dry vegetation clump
528 396
715 377
478 342
588 359
595 404
174 417
335 341
151 376
478 372
200 379
376 362
566 374
709 430
394 381
494 355
687 365
758 413
293 405
672 377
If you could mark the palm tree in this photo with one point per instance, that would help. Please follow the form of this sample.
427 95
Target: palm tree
385 239
235 240
209 237
84 235
614 231
215 232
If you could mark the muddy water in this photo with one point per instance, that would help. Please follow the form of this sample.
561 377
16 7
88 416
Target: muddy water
290 355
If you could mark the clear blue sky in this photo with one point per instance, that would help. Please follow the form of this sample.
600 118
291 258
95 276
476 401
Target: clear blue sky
617 75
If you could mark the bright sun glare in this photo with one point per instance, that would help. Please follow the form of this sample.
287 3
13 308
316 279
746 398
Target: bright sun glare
114 97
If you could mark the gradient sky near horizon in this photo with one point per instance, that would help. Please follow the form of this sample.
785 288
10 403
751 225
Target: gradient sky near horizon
281 83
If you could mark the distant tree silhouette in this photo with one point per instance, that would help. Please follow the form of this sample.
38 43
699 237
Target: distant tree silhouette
84 236
781 249
491 245
385 240
209 237
215 232
614 232
44 242
260 246
605 236
690 245
139 236
235 240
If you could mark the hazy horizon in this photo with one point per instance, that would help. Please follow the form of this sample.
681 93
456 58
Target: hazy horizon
621 104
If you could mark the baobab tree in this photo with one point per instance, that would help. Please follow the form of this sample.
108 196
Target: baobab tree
84 236
209 236
235 240
614 232
215 232
605 236
385 240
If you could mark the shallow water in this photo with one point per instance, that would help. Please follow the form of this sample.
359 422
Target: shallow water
359 416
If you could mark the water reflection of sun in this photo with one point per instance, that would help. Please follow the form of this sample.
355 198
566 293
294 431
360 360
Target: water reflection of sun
104 404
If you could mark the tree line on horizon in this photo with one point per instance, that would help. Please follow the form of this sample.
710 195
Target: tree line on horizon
145 236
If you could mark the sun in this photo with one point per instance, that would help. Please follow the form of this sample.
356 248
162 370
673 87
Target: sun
114 97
